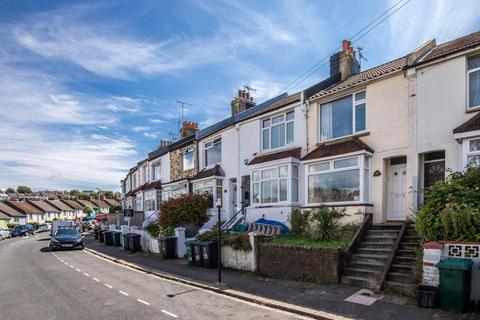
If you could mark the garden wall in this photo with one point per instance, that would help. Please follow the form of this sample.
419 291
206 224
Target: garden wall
238 259
300 263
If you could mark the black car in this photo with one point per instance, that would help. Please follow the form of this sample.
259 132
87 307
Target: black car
66 238
22 230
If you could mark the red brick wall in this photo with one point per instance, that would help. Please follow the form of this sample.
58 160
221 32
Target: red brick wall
299 263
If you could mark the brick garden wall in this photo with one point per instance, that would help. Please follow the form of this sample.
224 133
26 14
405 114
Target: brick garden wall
299 263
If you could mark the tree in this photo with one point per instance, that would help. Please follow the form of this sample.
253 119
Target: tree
108 194
75 193
24 189
87 210
10 190
114 209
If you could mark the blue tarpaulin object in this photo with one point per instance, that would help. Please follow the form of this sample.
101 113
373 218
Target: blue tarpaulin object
283 227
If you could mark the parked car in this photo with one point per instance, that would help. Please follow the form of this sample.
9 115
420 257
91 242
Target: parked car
4 233
22 230
43 227
66 238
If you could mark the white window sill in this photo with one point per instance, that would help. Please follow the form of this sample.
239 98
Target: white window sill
355 135
472 109
339 204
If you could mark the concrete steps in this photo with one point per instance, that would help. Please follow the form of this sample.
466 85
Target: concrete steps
401 276
369 259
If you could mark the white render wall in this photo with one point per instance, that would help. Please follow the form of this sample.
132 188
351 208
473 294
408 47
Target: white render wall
441 104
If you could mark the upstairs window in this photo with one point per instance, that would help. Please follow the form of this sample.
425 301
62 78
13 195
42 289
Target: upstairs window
474 82
213 152
343 117
188 158
277 131
156 171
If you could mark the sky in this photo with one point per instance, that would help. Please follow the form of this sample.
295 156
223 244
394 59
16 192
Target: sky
87 89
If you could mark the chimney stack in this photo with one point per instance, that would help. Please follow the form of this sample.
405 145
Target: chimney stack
188 128
242 102
164 143
344 62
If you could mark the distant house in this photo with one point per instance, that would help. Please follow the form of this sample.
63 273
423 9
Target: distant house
77 207
13 215
112 202
88 203
4 196
102 205
66 211
49 212
4 220
32 213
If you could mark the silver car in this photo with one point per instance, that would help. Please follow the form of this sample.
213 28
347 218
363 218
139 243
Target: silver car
4 233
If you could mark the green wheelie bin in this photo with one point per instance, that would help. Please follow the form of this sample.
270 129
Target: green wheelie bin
455 284
116 239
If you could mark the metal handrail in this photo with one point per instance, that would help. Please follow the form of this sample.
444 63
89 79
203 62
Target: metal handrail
232 218
150 215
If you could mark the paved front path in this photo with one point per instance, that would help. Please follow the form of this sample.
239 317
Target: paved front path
329 298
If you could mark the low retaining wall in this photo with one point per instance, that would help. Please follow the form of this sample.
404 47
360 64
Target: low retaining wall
300 263
238 259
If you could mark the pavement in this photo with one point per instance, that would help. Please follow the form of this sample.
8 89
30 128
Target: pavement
36 283
311 299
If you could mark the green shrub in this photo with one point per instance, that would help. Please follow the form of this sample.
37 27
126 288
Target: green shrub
33 223
184 210
11 225
114 209
153 229
451 208
299 222
326 224
239 241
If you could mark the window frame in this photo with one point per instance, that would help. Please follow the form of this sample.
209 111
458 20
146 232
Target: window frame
168 190
157 165
216 188
363 166
189 149
467 153
213 143
355 103
289 178
269 128
477 107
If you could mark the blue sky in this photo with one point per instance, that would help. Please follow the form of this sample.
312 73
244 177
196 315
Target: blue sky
88 88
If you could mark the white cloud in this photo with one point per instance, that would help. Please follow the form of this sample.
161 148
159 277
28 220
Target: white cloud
150 135
156 120
420 21
140 129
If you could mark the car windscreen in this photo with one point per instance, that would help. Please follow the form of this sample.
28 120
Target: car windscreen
67 232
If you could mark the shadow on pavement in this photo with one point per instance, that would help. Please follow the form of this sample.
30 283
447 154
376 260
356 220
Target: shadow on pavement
44 239
45 249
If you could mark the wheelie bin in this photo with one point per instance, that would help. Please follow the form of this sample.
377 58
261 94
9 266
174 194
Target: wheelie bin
108 235
455 284
116 239
189 252
197 253
134 244
126 241
169 246
96 233
210 254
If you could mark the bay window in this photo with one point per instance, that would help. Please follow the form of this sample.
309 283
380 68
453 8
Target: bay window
339 180
174 190
213 152
277 131
211 188
473 152
272 185
188 158
343 117
149 200
473 73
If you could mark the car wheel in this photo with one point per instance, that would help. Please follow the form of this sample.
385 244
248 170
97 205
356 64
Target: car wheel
1 237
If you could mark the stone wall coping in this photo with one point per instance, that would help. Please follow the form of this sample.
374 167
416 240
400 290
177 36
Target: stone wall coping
441 243
300 247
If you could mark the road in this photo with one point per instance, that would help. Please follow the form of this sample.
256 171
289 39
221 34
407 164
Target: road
38 284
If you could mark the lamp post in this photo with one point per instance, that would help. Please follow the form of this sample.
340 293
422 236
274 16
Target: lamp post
219 242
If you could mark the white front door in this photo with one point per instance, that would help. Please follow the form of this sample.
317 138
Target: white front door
397 191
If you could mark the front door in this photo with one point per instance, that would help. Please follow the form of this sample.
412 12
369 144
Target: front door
397 191
233 197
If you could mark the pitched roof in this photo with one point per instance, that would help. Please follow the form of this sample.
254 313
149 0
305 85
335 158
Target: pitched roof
294 153
364 76
85 203
100 203
157 153
60 205
153 185
3 216
73 204
43 206
215 171
137 189
112 202
457 45
23 207
8 210
471 124
336 148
